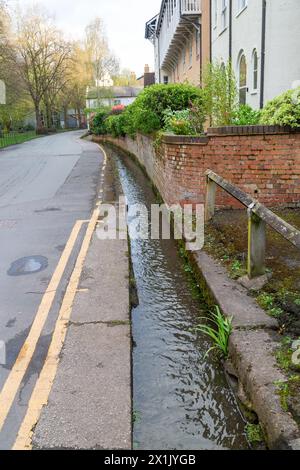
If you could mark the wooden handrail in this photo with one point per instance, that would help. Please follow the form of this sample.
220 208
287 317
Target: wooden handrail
259 217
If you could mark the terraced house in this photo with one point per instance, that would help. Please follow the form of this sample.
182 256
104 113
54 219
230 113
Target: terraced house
260 37
180 34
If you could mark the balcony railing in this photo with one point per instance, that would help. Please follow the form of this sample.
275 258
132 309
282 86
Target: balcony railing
173 26
190 7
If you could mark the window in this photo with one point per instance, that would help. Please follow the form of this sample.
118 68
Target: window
166 79
215 13
224 14
255 70
242 4
243 79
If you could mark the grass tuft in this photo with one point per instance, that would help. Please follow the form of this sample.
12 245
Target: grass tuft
219 333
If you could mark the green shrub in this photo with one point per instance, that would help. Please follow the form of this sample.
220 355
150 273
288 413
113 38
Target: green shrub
115 125
98 125
147 113
187 121
220 93
246 116
141 119
283 110
179 122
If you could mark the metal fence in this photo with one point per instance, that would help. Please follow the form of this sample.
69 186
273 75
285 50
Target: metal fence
15 137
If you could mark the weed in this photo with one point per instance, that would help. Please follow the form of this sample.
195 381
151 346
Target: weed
266 300
254 433
237 269
283 391
219 333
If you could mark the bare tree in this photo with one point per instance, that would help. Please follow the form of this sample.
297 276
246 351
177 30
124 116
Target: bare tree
43 59
101 60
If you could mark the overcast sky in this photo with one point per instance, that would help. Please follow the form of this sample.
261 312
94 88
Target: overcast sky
124 19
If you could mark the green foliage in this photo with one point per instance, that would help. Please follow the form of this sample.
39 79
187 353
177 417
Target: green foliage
237 269
98 125
288 390
179 122
268 302
147 113
115 125
284 110
254 433
220 93
246 116
187 121
219 333
140 119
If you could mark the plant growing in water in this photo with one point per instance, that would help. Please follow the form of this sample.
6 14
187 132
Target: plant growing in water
220 332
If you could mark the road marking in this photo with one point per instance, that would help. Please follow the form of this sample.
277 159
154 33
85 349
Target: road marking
42 389
16 375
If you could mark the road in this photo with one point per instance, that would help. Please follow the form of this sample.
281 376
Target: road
46 186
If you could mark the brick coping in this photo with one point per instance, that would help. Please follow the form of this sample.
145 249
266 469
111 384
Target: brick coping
251 130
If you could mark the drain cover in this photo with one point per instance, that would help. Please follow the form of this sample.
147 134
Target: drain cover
28 265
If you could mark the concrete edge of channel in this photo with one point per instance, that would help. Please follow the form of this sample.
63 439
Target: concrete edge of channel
253 344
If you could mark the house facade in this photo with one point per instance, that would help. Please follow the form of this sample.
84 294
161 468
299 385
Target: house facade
261 38
180 36
111 96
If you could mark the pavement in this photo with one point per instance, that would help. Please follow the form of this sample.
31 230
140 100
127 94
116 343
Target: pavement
65 334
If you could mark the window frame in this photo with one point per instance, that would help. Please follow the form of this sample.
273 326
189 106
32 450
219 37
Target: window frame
224 15
242 88
242 5
255 70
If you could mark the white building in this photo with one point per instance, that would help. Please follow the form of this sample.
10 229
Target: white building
111 96
262 40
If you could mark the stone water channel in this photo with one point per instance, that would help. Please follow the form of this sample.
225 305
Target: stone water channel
181 398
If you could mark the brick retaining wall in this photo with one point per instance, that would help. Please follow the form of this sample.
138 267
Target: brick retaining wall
264 164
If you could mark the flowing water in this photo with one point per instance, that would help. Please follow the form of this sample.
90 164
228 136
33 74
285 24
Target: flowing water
181 398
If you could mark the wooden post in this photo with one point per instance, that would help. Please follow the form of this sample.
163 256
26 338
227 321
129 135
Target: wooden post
210 200
256 245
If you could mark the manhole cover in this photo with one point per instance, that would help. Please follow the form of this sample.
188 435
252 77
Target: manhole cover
28 265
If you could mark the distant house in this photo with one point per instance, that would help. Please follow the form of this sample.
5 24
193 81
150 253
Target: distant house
148 78
111 96
98 97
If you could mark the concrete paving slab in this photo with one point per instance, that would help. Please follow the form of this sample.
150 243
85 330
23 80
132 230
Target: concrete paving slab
90 403
231 297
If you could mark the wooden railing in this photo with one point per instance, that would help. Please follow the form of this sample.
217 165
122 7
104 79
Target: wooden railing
258 218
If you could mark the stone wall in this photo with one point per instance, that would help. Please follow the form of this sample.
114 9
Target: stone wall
264 162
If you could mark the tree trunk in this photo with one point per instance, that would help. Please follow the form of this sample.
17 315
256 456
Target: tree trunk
79 118
66 117
38 117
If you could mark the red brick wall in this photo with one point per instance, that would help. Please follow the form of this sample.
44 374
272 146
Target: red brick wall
265 166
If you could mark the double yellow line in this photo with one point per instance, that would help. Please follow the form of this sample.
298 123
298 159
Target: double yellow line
43 386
